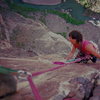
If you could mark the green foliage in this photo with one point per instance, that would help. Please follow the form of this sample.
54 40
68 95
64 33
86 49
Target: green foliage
86 3
67 17
25 10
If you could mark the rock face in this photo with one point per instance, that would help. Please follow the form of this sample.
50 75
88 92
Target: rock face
94 5
43 2
59 25
31 35
73 80
70 81
96 93
53 22
8 85
3 30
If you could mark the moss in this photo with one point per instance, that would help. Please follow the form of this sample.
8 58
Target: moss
25 10
67 17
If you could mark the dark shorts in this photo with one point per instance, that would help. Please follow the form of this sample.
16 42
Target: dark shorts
92 58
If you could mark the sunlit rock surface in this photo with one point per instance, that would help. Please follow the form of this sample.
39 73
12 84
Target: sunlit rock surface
31 35
66 81
94 5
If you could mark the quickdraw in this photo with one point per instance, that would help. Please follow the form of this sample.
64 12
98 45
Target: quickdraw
21 74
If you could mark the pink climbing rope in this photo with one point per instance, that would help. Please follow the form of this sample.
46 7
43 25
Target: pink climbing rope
34 88
32 85
55 68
